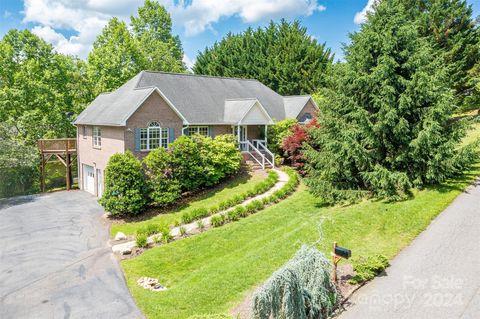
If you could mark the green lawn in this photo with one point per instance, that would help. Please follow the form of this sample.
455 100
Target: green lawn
213 271
208 199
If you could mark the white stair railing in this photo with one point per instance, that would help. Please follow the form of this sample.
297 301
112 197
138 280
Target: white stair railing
261 145
248 147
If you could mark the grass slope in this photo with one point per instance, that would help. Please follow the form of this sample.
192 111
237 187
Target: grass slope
208 199
211 272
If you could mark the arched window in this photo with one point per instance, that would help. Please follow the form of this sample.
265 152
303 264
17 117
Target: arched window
153 137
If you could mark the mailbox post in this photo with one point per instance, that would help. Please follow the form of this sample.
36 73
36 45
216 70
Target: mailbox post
337 254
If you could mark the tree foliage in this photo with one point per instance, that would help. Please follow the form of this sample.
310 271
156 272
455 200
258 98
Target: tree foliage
39 87
282 56
277 132
451 29
153 30
386 121
119 53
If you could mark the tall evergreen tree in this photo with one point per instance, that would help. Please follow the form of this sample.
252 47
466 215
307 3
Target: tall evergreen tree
450 26
386 121
282 56
153 30
115 58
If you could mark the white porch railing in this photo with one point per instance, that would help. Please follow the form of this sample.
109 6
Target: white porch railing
261 158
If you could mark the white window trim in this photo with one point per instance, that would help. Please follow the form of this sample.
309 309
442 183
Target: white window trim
150 126
97 138
84 131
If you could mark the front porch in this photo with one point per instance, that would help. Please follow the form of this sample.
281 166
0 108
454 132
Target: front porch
252 141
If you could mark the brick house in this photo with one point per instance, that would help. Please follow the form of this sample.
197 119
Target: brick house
154 108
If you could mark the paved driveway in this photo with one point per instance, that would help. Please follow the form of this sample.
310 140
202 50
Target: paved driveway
437 276
55 261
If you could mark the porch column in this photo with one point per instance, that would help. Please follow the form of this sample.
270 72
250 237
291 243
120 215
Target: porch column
266 141
238 134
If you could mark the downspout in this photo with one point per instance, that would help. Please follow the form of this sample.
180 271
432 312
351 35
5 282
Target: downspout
183 129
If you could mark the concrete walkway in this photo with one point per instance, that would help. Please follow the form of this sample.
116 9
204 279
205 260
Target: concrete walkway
55 261
437 276
192 228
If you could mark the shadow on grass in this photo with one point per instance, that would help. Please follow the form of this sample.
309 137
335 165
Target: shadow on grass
242 178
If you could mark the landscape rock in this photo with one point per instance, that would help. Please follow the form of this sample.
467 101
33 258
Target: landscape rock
120 236
150 284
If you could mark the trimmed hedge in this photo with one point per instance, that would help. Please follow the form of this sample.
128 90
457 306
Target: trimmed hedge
260 188
257 205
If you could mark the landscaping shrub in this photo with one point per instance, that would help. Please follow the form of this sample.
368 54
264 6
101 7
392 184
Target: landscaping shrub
189 164
217 220
277 132
367 268
194 214
301 289
124 185
141 240
293 143
166 236
164 188
183 230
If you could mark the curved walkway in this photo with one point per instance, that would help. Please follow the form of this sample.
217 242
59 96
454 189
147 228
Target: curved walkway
437 276
192 228
55 261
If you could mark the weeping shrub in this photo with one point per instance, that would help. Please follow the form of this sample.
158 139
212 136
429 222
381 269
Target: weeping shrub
124 185
301 289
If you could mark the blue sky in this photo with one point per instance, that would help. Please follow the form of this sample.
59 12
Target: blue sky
71 26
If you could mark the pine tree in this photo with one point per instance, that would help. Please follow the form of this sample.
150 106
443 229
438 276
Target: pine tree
451 29
282 56
386 121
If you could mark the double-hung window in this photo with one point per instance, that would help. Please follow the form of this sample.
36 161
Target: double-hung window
202 130
153 137
97 136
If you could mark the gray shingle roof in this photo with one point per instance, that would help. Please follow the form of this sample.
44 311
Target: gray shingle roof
294 105
199 99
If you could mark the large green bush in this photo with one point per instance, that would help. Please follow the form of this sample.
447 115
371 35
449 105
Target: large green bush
124 185
189 164
164 187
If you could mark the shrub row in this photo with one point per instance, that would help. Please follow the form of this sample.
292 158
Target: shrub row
257 205
189 163
260 188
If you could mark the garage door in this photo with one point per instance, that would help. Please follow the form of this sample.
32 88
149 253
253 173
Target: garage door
88 179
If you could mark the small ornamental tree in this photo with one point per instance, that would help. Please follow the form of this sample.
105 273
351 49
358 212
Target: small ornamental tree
124 185
164 188
302 289
293 143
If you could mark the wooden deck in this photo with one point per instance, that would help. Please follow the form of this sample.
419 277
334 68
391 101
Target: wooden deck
64 149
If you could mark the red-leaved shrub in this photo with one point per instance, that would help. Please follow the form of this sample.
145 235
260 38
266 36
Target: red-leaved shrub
292 144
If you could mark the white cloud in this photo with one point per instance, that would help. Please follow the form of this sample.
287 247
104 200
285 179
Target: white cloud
87 17
361 17
188 62
7 14
201 14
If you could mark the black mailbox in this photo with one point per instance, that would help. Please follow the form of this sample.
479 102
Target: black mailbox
343 252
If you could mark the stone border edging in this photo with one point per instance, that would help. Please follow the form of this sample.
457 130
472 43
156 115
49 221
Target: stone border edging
193 228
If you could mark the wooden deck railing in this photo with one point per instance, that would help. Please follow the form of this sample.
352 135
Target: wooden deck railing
59 145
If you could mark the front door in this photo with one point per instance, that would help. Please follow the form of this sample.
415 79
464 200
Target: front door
243 136
99 183
88 179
